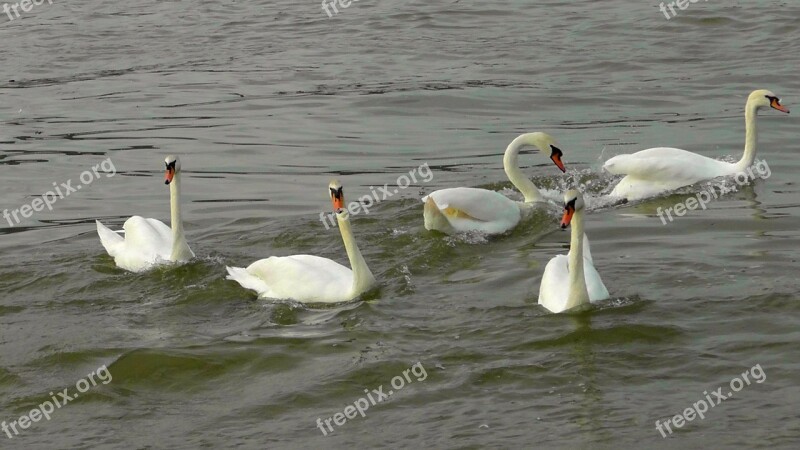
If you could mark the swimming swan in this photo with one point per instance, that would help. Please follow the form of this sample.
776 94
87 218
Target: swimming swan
656 170
570 281
462 209
307 278
149 242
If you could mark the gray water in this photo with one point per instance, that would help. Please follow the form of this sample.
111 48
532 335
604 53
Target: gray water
266 102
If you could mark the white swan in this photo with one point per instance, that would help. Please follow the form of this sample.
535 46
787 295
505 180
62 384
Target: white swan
148 242
307 278
656 170
469 209
570 281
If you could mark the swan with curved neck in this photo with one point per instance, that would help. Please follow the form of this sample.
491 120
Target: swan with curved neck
308 278
657 170
149 242
571 281
462 209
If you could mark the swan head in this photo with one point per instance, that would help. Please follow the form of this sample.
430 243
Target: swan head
546 144
573 201
763 98
173 166
337 196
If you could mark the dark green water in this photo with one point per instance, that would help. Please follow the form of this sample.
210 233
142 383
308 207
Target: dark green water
267 102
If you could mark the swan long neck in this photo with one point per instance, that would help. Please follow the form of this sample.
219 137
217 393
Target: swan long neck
180 248
751 138
362 276
578 293
518 179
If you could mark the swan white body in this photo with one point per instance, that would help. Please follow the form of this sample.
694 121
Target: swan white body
464 209
657 170
572 280
149 242
307 278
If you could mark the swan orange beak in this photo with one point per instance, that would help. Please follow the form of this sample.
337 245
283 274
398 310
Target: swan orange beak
337 197
169 175
338 203
775 103
569 211
556 157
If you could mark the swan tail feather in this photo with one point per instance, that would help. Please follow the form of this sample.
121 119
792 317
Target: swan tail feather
247 280
435 219
111 240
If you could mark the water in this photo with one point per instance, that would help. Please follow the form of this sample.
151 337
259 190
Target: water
267 102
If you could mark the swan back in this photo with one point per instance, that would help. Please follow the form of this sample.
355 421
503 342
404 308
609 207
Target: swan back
470 209
304 278
147 242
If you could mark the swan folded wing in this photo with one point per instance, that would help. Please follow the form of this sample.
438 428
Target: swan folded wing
668 165
587 250
554 287
150 238
304 278
476 209
480 204
594 284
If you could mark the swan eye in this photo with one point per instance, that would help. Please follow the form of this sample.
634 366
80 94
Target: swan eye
556 151
570 204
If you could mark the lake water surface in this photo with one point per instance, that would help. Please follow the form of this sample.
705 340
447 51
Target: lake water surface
267 101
